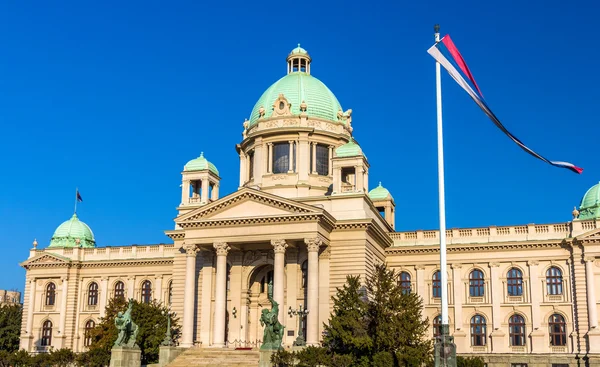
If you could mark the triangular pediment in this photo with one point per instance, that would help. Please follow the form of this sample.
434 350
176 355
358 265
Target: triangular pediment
593 234
247 203
45 259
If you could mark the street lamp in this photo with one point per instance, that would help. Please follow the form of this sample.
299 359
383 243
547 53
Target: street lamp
301 314
168 340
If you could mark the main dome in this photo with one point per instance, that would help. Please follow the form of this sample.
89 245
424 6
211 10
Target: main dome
299 86
73 233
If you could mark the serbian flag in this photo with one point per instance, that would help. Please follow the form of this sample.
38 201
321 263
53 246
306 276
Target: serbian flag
446 53
79 198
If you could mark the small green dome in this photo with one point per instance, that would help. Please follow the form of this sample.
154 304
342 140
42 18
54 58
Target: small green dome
299 87
590 203
380 193
350 149
73 233
200 164
298 50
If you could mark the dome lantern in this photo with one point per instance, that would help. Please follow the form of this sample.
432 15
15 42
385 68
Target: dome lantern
298 61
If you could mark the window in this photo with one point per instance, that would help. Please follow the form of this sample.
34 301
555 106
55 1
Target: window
281 157
46 333
437 284
437 326
558 330
476 287
322 160
265 281
93 294
405 285
87 333
50 295
554 281
304 269
478 331
516 329
251 165
170 293
518 365
146 291
514 282
119 289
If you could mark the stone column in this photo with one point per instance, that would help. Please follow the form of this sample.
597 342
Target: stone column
258 161
358 174
291 157
222 248
30 307
458 295
243 165
63 311
270 161
330 160
215 192
591 292
189 293
103 295
185 192
279 247
304 157
314 158
204 194
312 327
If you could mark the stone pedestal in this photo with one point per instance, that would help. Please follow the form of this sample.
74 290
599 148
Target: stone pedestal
167 354
594 340
265 358
125 357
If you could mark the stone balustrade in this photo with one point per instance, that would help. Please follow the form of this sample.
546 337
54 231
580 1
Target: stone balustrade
112 253
526 232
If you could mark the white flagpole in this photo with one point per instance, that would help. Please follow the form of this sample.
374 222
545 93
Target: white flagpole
76 191
442 199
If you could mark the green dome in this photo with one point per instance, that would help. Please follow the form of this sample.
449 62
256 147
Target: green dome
71 232
380 193
350 149
299 50
200 164
298 87
590 203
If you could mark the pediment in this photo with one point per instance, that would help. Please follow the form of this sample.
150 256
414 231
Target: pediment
46 259
248 203
590 235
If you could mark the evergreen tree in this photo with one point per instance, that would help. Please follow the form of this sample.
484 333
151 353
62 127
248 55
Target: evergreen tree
10 327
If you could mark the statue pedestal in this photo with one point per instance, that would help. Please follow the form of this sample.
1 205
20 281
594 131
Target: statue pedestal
125 357
167 354
265 358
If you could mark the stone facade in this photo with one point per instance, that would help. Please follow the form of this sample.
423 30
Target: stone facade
10 297
303 217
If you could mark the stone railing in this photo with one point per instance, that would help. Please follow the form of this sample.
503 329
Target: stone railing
496 234
112 253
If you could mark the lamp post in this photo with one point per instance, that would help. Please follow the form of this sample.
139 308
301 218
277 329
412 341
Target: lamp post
168 340
301 314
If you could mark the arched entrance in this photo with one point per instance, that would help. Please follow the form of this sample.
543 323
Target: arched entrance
258 299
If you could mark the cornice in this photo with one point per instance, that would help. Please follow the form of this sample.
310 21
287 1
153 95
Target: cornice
370 226
176 234
459 248
302 218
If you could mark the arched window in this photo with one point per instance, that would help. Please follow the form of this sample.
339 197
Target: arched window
46 333
119 289
437 326
93 294
554 281
170 293
558 330
146 291
437 284
304 269
87 333
265 281
514 282
405 284
516 329
478 331
476 287
50 295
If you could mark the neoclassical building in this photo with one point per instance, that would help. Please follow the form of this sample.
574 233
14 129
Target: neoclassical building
304 217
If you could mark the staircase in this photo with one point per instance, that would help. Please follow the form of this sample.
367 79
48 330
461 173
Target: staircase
208 357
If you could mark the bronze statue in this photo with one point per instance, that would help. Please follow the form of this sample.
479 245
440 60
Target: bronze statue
273 334
128 330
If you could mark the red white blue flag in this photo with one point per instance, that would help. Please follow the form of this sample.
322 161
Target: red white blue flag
446 53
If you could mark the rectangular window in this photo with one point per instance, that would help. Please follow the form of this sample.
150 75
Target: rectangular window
281 152
322 160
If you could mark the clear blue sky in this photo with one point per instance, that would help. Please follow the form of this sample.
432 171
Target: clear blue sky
115 97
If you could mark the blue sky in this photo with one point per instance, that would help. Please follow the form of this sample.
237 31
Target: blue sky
115 97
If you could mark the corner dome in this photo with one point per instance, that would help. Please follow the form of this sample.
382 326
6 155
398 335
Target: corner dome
299 50
200 164
589 208
380 193
350 149
73 233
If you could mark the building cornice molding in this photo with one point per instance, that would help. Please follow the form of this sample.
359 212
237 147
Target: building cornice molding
370 226
487 247
232 222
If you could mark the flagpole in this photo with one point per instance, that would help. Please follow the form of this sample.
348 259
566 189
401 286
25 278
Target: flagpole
76 191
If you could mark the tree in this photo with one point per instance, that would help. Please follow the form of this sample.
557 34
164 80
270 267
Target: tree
10 327
152 322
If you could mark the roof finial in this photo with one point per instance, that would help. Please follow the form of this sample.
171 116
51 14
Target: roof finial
201 154
575 213
298 44
35 243
379 183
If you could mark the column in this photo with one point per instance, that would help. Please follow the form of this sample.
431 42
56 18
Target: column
312 326
204 197
215 192
358 174
243 173
291 156
30 307
337 180
189 295
313 169
591 292
270 161
304 157
103 295
458 295
279 247
258 161
63 311
185 192
330 160
222 248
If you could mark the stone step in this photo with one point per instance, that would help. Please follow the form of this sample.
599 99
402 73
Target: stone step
216 357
